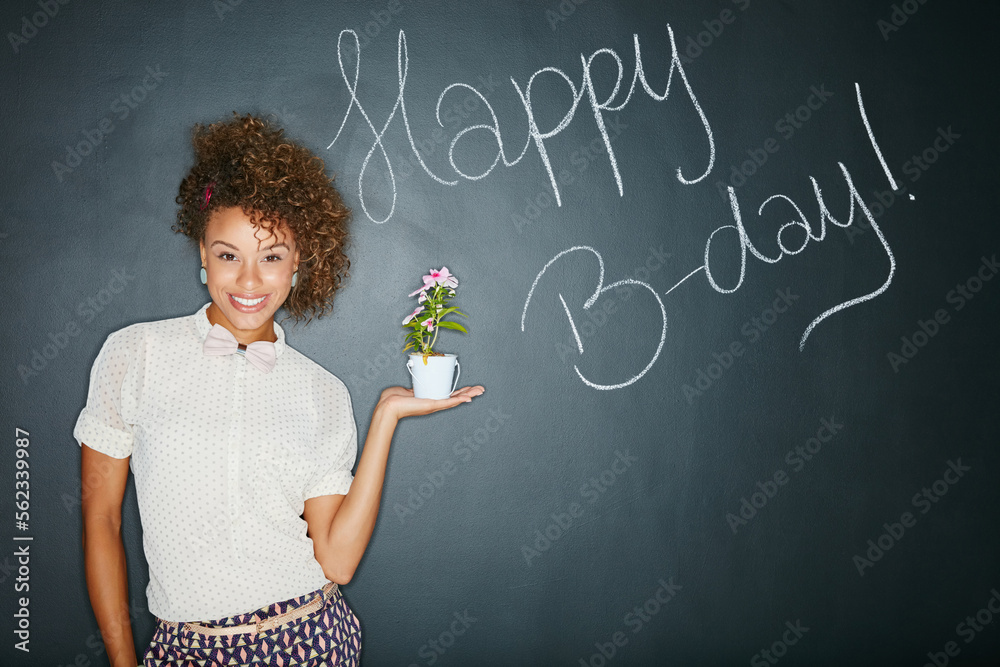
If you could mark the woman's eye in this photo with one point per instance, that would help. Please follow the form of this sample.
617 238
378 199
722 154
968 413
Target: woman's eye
226 255
276 258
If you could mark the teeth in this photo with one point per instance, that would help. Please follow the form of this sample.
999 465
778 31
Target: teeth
248 302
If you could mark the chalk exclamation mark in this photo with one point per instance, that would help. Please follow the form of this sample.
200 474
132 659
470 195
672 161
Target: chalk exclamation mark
871 137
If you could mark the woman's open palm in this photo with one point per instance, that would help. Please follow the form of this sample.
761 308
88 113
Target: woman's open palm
401 402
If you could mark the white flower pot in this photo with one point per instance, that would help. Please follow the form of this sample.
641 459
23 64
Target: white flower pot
434 380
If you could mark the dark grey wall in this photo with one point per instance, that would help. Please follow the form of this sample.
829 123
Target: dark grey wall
753 485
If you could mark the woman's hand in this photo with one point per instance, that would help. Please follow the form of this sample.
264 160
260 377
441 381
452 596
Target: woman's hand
399 402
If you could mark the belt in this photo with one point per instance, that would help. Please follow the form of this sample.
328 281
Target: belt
261 625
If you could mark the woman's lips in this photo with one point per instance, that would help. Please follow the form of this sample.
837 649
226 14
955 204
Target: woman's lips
256 303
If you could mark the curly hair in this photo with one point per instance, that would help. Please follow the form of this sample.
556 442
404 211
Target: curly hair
250 164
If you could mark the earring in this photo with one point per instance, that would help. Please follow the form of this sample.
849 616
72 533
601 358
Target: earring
204 276
295 278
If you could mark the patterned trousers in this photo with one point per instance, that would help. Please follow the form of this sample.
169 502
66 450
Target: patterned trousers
329 635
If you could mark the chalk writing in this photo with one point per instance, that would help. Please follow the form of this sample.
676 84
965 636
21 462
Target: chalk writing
534 134
601 288
802 222
814 230
807 229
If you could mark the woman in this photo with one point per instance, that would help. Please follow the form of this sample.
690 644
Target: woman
241 447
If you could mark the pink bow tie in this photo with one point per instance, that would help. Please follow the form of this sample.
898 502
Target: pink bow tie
221 341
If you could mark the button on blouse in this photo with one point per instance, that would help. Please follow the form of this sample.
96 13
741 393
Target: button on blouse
224 456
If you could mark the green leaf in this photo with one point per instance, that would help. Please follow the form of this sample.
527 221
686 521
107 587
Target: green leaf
452 325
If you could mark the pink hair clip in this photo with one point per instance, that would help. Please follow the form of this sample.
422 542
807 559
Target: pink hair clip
208 195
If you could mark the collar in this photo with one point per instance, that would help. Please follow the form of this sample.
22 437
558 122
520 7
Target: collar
201 321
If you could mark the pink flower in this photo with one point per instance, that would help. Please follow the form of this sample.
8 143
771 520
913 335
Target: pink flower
442 277
413 314
422 297
429 323
421 289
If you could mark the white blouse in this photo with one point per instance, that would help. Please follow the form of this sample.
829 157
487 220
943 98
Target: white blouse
224 456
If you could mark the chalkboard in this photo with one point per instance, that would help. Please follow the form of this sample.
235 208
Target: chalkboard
730 271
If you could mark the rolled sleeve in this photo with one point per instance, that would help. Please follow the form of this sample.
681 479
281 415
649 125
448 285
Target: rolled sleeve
101 425
338 442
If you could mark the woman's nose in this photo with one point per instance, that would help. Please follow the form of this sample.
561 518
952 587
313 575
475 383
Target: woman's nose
249 276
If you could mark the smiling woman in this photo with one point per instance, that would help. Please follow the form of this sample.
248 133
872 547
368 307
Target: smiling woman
242 447
250 279
280 187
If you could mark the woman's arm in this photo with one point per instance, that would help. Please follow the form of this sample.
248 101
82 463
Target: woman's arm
341 526
104 479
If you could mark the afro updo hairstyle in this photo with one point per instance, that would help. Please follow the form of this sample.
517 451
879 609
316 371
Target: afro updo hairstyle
249 164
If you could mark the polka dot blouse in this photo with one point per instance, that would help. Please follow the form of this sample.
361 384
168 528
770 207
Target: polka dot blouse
224 456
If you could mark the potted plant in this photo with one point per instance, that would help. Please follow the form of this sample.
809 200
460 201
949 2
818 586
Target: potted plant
432 371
